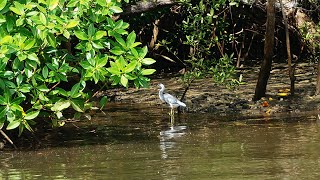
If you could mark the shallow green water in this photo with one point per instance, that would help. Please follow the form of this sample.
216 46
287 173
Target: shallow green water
135 142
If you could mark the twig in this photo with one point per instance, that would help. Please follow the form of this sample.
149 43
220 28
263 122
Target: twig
95 94
7 138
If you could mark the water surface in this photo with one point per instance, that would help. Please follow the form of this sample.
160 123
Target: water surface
138 142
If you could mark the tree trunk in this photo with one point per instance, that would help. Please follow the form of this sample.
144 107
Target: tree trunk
318 79
268 52
291 68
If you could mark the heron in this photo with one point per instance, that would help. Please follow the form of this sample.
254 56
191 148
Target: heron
171 100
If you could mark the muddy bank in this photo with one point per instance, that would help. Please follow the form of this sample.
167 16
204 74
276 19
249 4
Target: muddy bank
206 96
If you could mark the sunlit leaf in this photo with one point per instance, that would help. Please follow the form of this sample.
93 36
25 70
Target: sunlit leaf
101 62
43 19
43 88
59 115
13 125
16 10
81 35
124 81
33 57
3 4
53 4
135 44
72 24
29 44
31 115
131 38
114 70
131 66
116 9
60 105
144 52
99 35
148 71
148 61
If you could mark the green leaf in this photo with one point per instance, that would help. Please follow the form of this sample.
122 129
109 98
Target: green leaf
98 35
101 62
43 19
144 52
6 39
135 53
91 30
19 22
77 105
29 44
233 3
117 51
85 64
116 9
120 41
72 3
66 34
16 107
53 4
130 67
148 71
72 24
3 4
45 72
3 100
124 81
3 111
60 105
148 61
103 101
32 13
131 38
74 90
31 115
114 70
135 44
10 23
16 10
26 124
59 116
13 125
43 88
81 35
102 3
33 57
18 100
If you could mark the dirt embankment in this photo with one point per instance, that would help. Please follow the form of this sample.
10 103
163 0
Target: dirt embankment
206 96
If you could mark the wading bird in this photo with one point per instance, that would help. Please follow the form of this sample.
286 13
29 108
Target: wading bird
171 100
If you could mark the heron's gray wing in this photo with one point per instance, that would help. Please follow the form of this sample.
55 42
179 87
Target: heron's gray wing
170 99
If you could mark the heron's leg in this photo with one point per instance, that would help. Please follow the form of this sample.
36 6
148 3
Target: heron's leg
172 116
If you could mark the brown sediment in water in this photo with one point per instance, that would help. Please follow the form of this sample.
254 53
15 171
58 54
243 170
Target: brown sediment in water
206 96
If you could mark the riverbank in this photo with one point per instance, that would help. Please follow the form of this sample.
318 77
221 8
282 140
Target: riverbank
205 96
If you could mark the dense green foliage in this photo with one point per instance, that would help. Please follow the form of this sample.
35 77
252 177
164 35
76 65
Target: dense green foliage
205 29
47 42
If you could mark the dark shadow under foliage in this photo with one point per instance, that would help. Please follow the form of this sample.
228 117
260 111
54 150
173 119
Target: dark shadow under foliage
246 24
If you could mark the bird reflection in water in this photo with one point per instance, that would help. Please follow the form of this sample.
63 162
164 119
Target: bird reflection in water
168 139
